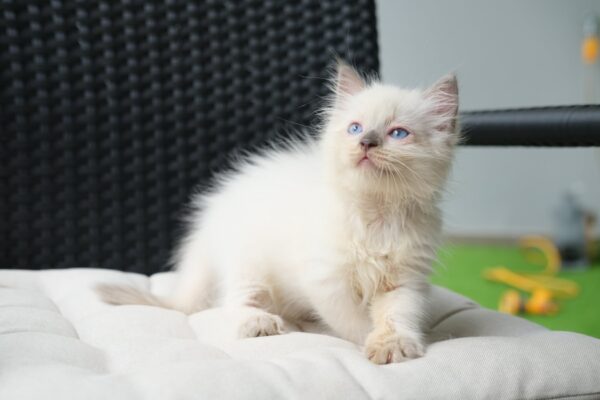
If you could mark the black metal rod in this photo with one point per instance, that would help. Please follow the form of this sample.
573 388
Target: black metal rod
543 126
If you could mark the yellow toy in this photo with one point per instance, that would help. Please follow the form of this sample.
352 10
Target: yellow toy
532 245
540 303
544 286
560 288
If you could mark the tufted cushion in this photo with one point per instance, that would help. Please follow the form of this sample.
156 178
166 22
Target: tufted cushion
58 341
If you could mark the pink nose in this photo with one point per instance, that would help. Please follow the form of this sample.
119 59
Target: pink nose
366 143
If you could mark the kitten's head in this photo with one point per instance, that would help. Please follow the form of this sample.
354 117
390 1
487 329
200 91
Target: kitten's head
383 139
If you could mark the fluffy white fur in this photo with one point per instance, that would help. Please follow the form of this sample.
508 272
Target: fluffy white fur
311 232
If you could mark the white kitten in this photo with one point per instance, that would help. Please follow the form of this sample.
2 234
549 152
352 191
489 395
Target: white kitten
343 228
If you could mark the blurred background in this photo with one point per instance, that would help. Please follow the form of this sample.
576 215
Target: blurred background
507 54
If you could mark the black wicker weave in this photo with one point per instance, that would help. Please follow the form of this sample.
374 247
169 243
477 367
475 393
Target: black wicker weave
112 111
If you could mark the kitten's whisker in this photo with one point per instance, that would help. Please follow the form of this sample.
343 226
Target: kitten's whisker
294 123
388 158
320 78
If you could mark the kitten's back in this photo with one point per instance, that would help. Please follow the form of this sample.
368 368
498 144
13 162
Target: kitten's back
268 206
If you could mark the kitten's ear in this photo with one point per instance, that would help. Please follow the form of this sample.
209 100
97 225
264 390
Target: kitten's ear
347 81
443 96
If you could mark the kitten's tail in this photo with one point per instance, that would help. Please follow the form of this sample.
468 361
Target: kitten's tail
122 294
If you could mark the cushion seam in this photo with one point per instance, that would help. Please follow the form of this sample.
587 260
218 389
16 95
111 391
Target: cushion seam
562 396
14 332
471 306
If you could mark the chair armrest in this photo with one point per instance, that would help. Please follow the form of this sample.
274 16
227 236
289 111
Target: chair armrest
542 126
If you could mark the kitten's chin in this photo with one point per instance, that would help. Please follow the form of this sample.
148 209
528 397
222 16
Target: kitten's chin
370 168
366 163
367 172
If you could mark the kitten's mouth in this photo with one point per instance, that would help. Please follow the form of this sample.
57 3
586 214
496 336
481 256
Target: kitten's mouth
365 161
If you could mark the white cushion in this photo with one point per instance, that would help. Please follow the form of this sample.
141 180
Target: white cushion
58 341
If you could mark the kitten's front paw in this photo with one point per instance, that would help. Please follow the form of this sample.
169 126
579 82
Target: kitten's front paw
261 324
390 347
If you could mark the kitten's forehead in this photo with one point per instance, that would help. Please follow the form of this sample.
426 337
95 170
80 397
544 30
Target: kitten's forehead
384 103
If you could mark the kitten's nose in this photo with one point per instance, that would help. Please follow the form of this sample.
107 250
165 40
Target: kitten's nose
369 141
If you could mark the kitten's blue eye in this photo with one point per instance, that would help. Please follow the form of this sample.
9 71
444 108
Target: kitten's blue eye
355 128
399 133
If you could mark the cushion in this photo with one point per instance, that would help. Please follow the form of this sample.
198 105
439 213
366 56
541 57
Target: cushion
59 341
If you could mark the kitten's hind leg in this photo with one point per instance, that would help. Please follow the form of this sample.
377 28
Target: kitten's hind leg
196 280
252 303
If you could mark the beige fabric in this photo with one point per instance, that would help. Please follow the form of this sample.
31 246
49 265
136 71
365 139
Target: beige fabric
58 341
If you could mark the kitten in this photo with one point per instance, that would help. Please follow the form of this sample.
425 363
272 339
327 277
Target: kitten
344 227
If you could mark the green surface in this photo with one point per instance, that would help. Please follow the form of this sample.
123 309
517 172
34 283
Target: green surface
461 268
